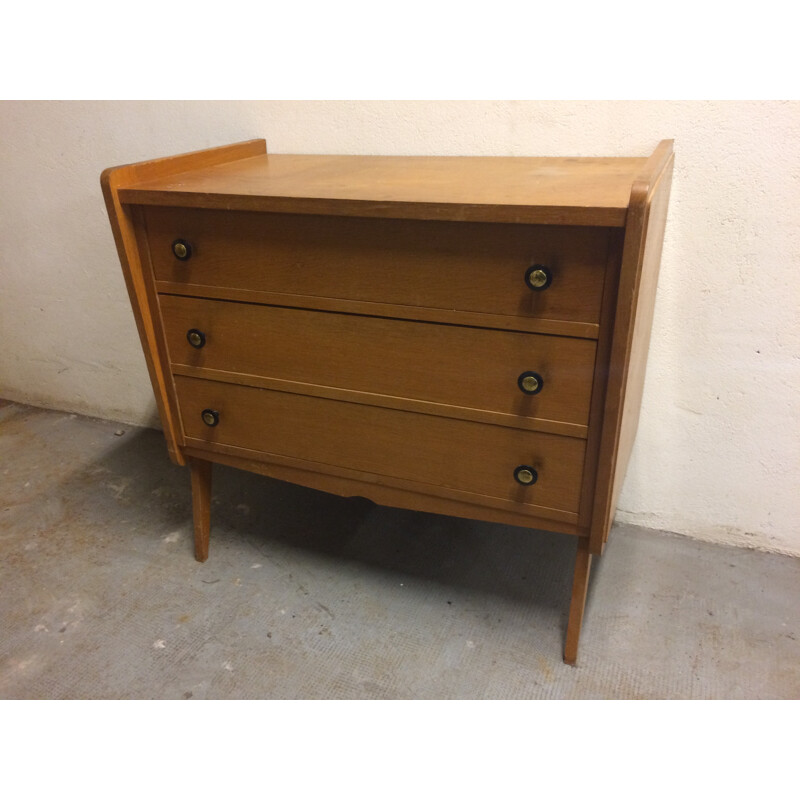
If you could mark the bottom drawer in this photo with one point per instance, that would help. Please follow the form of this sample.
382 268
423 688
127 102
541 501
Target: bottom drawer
438 451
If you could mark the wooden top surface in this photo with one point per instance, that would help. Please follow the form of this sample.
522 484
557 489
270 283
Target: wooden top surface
554 191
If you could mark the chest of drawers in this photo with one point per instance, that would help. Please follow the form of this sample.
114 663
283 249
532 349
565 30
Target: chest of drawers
465 336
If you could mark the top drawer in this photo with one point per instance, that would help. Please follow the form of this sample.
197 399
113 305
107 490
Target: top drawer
461 266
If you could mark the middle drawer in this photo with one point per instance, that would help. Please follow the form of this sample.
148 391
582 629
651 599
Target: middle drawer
474 368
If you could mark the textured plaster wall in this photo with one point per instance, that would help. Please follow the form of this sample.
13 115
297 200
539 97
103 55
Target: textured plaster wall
717 454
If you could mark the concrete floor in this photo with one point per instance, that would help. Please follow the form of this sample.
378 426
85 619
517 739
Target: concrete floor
307 595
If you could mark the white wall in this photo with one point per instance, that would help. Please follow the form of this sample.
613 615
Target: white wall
718 453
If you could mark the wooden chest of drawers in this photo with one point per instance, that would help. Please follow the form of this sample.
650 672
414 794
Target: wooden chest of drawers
465 336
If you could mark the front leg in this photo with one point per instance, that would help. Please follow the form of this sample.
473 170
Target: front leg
200 471
580 583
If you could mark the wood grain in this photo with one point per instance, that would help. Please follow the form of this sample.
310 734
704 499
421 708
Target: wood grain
641 258
465 267
453 453
471 319
388 492
549 191
455 366
124 231
387 401
212 449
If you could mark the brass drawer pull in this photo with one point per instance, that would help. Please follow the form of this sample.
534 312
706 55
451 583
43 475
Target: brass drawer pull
210 417
525 475
196 338
530 383
538 277
181 249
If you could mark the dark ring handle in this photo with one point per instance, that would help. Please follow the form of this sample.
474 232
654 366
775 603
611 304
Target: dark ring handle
538 277
530 383
525 475
210 417
181 249
196 338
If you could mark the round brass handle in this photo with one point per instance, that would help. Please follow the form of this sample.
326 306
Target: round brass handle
538 277
181 249
525 475
530 382
196 338
210 417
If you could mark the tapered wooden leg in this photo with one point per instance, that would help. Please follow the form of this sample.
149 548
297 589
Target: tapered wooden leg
580 582
201 505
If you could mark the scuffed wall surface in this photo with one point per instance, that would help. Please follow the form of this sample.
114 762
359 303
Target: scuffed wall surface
718 452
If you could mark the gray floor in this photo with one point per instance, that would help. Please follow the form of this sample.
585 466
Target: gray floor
307 595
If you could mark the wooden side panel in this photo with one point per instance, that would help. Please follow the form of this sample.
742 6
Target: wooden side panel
600 380
641 260
124 230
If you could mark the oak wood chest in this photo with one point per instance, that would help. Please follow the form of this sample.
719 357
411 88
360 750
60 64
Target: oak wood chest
460 335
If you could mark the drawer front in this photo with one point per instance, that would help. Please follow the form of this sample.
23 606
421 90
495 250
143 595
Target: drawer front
477 267
439 451
464 367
